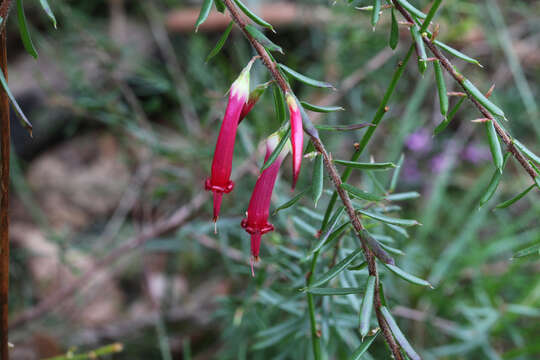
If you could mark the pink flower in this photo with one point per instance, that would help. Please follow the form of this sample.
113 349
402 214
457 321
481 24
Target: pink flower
219 181
297 136
256 221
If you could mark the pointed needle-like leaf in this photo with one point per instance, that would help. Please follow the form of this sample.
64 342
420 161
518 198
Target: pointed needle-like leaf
203 14
23 29
220 42
318 179
367 306
303 78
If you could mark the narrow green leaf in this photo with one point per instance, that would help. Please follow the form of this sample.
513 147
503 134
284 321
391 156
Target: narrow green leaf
375 13
291 202
304 79
399 230
260 37
530 250
449 117
321 109
203 15
441 87
280 328
330 237
367 306
360 350
318 179
359 266
279 105
395 175
334 291
534 166
420 49
338 268
394 32
365 166
45 6
480 97
359 194
412 9
527 152
24 121
391 249
276 337
220 42
220 6
457 53
400 338
430 15
273 156
403 196
511 201
23 29
494 145
493 184
406 276
383 238
332 221
388 219
343 127
253 16
381 292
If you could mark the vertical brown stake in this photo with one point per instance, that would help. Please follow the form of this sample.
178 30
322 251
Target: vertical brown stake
4 204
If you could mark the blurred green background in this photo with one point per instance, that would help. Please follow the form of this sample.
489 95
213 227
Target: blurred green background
126 113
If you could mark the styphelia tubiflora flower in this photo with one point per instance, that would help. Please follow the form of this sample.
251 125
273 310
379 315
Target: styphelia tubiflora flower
297 136
219 181
256 221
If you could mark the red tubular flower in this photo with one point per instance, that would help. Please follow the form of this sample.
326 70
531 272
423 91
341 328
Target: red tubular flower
256 221
219 181
252 100
297 136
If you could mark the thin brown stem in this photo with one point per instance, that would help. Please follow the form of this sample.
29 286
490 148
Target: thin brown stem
334 175
4 203
447 65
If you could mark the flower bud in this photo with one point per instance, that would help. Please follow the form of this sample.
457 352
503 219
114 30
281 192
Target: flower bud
252 100
219 181
297 136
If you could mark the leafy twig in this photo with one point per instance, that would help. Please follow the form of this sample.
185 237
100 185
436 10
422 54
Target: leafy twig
334 175
447 65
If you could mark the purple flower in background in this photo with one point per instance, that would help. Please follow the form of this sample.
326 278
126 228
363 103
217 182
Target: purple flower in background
475 154
419 141
438 163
